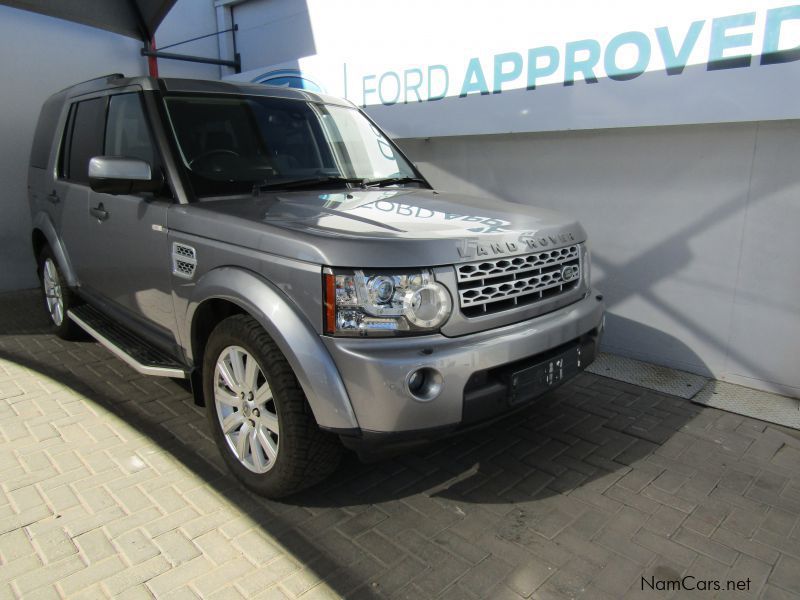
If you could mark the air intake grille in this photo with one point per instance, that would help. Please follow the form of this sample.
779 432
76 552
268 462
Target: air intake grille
500 284
184 260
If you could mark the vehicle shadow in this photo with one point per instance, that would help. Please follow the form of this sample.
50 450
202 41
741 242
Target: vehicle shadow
498 481
585 434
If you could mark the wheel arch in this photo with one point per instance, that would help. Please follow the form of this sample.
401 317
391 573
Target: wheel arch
43 233
38 241
226 291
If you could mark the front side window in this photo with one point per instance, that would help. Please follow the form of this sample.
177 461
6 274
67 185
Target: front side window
127 133
229 144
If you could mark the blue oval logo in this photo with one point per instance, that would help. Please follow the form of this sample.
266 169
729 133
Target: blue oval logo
291 78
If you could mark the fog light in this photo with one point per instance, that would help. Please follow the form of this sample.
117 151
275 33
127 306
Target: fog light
416 381
424 384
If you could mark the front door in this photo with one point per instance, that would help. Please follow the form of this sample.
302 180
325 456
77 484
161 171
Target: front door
129 263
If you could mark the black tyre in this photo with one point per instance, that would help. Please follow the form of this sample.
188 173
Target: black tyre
259 415
58 297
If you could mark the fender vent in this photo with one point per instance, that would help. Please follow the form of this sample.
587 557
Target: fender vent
184 260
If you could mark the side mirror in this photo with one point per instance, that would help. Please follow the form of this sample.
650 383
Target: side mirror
116 175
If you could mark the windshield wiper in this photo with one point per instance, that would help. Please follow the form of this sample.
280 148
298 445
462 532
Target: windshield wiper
314 181
308 182
392 180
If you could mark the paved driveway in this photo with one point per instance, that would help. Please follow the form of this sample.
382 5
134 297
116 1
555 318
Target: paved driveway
110 486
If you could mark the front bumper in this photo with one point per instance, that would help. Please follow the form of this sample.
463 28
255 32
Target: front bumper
375 371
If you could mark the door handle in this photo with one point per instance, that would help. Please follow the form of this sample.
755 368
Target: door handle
99 212
53 197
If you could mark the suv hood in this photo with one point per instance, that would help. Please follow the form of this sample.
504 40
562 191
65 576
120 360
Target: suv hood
384 227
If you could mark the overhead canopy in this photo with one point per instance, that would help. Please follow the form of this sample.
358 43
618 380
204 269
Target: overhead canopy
133 18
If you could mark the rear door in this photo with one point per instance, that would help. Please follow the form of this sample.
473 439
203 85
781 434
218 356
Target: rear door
83 138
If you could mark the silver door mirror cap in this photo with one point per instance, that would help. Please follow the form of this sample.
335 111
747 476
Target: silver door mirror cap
120 175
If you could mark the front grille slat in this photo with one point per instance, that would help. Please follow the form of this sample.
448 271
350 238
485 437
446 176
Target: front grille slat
491 286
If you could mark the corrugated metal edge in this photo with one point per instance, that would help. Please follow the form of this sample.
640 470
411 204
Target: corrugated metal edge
741 400
765 406
646 375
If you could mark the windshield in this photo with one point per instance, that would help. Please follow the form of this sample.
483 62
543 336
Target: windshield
230 144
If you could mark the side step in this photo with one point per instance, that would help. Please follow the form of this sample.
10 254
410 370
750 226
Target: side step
125 345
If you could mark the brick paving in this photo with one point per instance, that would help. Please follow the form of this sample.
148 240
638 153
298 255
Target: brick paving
111 487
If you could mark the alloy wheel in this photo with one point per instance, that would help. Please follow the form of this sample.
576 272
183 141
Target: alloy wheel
52 292
246 409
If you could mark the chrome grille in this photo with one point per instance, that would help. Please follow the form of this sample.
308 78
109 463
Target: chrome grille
499 284
184 260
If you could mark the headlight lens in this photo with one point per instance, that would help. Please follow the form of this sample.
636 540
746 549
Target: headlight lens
360 303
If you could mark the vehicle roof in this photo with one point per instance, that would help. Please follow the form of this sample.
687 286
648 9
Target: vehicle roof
170 84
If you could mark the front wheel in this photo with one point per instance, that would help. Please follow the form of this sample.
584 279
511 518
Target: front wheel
258 414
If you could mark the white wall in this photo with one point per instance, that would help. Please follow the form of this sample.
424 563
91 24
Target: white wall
273 31
189 19
693 231
470 67
41 55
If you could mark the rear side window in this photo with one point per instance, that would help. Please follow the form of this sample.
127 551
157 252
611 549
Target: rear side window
86 139
45 131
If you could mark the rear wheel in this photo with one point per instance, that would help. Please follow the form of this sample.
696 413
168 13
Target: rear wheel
57 296
258 414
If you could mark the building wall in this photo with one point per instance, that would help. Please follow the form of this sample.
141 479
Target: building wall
42 55
189 19
683 171
693 227
693 231
272 31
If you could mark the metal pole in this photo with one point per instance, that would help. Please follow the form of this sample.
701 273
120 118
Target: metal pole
188 58
201 37
152 60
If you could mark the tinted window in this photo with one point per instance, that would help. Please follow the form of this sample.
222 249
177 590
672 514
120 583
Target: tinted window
66 142
127 133
229 143
46 131
87 138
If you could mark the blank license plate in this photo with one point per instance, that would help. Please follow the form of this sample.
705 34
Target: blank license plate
532 381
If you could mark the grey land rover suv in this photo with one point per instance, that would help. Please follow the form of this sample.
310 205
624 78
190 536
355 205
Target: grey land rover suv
277 249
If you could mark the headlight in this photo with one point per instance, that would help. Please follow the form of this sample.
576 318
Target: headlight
360 303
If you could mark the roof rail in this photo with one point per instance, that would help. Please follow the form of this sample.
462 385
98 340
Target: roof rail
108 77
